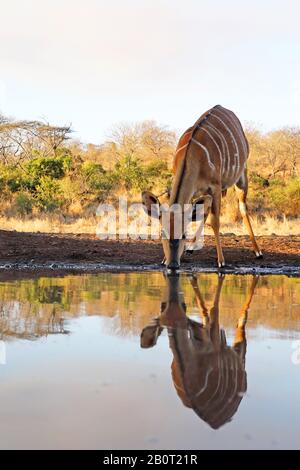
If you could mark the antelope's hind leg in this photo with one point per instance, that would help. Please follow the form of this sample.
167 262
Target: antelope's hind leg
240 344
241 189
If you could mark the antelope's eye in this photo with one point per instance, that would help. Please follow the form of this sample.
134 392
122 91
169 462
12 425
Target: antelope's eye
183 236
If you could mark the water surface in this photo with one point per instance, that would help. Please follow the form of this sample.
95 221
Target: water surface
139 361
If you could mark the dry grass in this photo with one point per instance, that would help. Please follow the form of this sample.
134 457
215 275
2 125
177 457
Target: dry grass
49 224
56 224
270 226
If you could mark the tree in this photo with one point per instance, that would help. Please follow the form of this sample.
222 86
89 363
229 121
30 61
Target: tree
291 148
19 140
274 153
145 141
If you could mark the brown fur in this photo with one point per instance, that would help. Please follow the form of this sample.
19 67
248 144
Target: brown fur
209 376
211 157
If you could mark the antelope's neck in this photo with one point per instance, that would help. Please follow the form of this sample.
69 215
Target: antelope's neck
184 185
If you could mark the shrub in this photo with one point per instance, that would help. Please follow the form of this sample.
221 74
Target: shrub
11 179
51 167
131 174
285 198
70 189
91 169
97 180
258 180
293 197
24 204
103 186
48 194
157 174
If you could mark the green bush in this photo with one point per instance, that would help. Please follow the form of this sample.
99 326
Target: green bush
157 174
98 181
48 194
70 188
51 167
131 174
103 186
293 197
91 169
258 181
11 179
24 203
285 198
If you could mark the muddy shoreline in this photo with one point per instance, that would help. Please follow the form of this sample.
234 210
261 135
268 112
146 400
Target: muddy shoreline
32 254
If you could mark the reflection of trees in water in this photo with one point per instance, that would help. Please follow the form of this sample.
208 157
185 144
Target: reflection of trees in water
19 322
35 307
50 294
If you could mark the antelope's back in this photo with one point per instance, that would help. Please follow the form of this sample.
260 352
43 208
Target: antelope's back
220 131
212 385
210 380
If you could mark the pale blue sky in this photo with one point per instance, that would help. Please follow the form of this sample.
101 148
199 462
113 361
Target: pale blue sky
95 63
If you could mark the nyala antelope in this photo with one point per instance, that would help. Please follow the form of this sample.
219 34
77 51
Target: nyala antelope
210 157
209 376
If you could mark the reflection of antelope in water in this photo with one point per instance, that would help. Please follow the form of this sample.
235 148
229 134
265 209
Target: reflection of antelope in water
209 376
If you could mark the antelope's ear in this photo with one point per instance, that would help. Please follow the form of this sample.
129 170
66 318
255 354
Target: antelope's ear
149 336
151 204
206 202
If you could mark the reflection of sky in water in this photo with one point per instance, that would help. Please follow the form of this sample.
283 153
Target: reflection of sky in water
96 388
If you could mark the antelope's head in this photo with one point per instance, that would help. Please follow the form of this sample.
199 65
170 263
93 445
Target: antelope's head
172 313
173 220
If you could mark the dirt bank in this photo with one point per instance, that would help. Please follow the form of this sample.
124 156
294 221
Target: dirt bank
42 251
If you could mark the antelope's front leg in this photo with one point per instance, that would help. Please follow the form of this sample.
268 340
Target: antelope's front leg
214 315
199 300
207 203
215 223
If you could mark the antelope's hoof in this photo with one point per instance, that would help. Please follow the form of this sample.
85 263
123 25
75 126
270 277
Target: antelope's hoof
163 262
258 254
221 264
172 272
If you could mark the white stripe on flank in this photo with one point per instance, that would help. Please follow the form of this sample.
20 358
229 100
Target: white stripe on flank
206 153
223 140
220 153
240 134
181 148
236 155
227 159
208 133
205 382
238 130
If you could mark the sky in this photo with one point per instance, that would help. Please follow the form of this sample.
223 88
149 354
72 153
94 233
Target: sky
96 63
